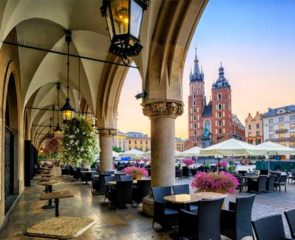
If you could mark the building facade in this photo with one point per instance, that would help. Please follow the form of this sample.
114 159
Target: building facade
120 141
138 141
211 122
254 129
279 125
180 144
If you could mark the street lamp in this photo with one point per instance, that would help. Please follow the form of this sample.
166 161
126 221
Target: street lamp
67 110
123 19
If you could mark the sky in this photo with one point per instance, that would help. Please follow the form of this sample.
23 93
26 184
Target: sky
254 40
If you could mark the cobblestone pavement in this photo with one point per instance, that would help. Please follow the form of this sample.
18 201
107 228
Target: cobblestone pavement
110 224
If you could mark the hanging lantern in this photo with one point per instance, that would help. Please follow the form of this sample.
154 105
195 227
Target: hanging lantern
124 18
67 110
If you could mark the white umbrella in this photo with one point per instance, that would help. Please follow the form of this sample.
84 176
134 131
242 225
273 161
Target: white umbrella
232 147
276 149
177 153
115 154
132 153
195 151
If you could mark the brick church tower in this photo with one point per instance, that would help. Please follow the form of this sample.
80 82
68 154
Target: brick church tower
212 122
221 109
196 104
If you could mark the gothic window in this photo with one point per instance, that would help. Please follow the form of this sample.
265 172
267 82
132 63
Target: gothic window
194 95
194 103
219 107
249 127
194 110
257 125
219 96
220 114
220 123
195 125
195 118
220 131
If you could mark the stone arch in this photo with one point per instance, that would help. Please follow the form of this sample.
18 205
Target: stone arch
12 130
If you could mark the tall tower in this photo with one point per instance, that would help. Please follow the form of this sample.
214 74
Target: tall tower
221 108
196 103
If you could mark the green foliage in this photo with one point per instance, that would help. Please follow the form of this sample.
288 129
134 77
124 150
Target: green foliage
117 149
79 143
231 168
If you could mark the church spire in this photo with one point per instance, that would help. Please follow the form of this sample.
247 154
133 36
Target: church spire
196 75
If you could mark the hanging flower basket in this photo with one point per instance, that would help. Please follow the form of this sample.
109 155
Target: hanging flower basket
188 161
221 182
80 144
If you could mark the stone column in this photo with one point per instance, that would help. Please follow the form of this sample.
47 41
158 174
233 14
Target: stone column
106 148
163 115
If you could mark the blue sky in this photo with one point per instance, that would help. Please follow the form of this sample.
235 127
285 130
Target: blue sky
254 39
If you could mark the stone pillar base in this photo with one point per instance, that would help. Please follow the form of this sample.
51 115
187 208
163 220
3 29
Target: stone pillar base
148 206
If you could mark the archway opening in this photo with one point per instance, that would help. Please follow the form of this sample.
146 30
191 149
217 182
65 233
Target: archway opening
11 145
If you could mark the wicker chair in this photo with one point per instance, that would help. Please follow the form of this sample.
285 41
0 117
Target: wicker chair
290 216
140 190
163 215
204 225
270 183
121 194
125 178
269 228
107 188
281 181
184 189
236 224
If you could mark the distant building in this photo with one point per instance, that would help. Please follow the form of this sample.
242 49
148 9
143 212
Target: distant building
211 122
279 125
180 144
238 130
254 129
138 141
119 141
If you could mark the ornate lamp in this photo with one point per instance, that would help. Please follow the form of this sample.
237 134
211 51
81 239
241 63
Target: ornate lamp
124 18
58 129
67 110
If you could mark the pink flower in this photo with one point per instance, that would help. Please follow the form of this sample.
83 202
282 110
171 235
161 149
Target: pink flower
222 164
221 182
188 161
136 171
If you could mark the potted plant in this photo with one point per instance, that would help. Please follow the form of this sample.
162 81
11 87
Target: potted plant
221 182
136 172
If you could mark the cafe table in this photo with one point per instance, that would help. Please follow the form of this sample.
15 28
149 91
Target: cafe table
56 196
186 199
61 227
48 188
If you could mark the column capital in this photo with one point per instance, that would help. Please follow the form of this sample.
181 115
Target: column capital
107 132
163 108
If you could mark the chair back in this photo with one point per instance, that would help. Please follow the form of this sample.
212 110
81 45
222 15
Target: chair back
262 183
124 192
181 189
283 178
290 216
118 176
270 228
209 219
160 192
243 211
125 178
144 187
271 181
108 172
108 179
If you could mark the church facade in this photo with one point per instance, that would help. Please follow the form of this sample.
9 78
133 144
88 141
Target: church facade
211 122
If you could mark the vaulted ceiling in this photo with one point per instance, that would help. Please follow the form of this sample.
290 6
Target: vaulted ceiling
42 22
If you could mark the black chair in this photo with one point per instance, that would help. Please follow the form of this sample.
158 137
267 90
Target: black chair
243 182
163 215
121 194
107 189
270 183
290 216
86 177
236 224
184 189
269 228
281 181
140 190
125 178
204 225
99 184
258 185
